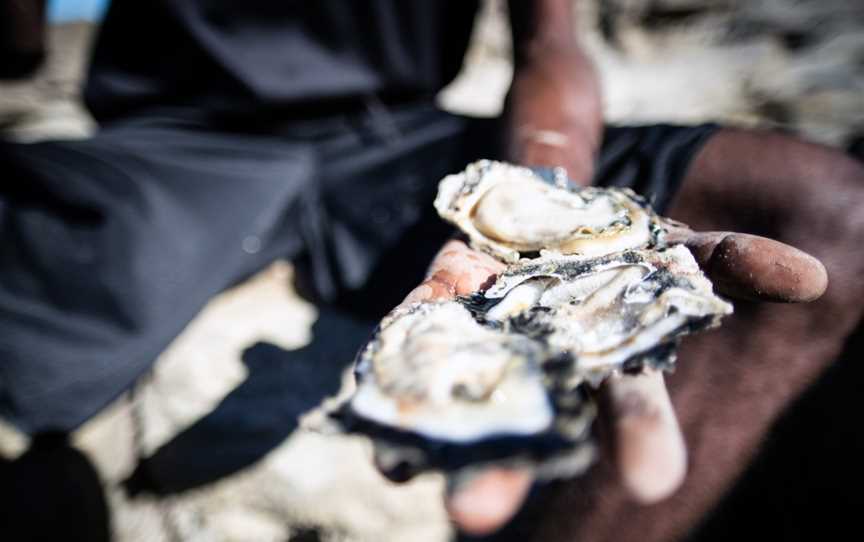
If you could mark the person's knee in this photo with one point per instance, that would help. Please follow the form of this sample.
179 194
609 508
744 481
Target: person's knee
829 202
827 220
805 191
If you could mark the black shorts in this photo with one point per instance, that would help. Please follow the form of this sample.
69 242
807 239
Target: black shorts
112 244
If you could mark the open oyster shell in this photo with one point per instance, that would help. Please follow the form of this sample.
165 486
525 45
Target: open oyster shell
437 371
621 312
437 388
511 211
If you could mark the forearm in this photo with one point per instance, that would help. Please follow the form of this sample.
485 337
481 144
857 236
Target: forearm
540 26
555 88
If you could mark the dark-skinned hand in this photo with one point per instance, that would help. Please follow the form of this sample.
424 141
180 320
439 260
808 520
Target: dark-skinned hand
650 453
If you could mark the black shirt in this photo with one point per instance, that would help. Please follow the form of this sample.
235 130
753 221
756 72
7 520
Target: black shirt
274 57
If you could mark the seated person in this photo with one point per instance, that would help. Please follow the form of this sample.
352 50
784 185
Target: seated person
233 134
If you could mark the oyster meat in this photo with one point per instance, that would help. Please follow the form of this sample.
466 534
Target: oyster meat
439 387
437 371
511 211
623 312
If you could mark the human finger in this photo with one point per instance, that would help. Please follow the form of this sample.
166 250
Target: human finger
650 453
757 268
455 270
552 149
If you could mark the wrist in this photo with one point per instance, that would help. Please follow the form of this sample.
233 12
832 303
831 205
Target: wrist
541 27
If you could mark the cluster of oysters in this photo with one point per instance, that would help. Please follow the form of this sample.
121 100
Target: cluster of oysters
591 289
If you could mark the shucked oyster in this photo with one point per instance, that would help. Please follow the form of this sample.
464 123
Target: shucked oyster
624 311
510 211
436 371
437 388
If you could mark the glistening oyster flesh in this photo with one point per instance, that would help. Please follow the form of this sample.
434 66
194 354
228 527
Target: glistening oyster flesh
511 211
620 312
438 389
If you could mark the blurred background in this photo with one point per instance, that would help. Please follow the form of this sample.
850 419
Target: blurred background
795 65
